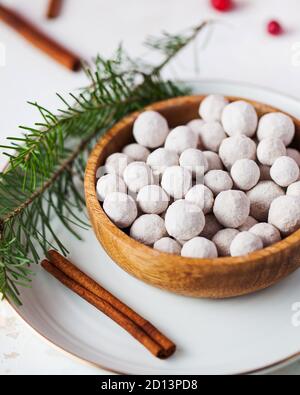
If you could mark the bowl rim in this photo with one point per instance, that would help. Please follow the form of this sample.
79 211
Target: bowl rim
92 200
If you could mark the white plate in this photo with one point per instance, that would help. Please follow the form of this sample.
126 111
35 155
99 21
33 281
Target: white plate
234 336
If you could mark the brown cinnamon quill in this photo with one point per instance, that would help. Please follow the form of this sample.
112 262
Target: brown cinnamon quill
39 39
54 8
158 344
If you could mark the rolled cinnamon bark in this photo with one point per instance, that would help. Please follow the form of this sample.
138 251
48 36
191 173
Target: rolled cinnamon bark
39 39
107 309
81 278
54 8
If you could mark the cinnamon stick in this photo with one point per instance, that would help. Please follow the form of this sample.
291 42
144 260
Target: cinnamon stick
107 309
54 8
39 39
81 278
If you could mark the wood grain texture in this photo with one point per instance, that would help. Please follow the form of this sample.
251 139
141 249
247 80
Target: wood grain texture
208 278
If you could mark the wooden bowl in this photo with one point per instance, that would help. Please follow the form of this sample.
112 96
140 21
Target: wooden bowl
208 278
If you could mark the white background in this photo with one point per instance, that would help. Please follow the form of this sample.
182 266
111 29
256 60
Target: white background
237 48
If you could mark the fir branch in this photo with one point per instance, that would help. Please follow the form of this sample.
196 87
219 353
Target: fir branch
44 176
170 45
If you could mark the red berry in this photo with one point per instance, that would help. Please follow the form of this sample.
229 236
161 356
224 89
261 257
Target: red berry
222 5
274 28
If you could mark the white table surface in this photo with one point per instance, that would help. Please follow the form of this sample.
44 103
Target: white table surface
237 49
